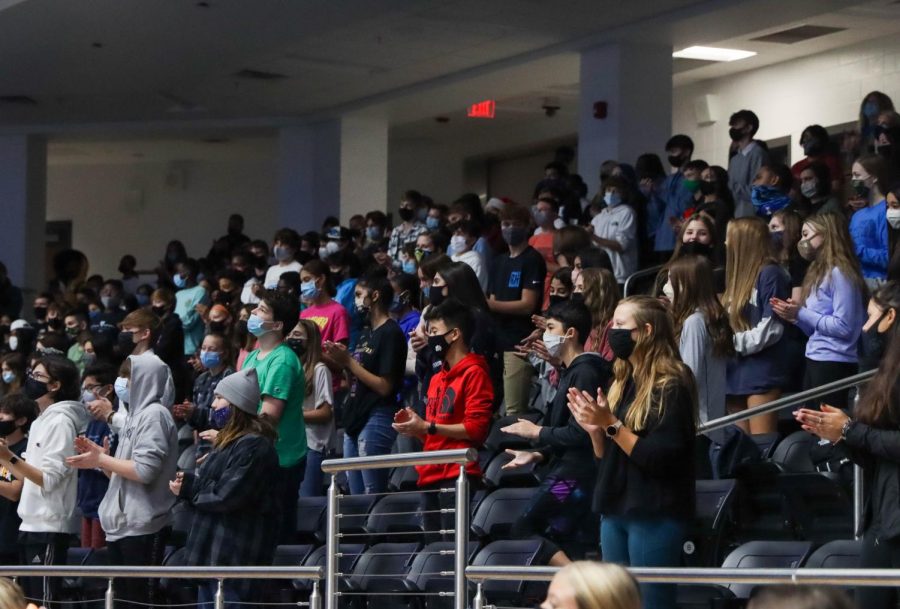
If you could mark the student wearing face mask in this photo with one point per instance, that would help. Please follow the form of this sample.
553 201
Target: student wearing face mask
111 295
285 246
868 224
695 239
187 299
410 226
169 343
317 293
562 503
282 388
515 293
546 212
345 269
816 145
318 406
880 326
21 338
376 230
375 373
457 408
47 505
705 339
615 230
136 510
892 217
75 324
832 309
677 198
437 216
17 413
408 263
234 496
465 235
644 435
97 383
12 373
771 189
744 166
39 310
872 105
816 188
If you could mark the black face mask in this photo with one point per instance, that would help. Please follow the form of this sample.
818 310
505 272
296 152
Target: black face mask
872 345
55 323
555 300
40 313
35 389
707 188
337 278
676 161
219 327
436 296
695 248
735 134
160 311
7 428
577 297
885 150
297 345
126 343
439 345
406 214
620 342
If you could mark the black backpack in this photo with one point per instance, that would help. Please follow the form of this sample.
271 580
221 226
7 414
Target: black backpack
737 449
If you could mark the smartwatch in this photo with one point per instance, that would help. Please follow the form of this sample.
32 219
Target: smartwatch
432 428
13 460
613 429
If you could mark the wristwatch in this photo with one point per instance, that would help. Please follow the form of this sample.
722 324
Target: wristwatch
845 429
613 429
13 460
432 428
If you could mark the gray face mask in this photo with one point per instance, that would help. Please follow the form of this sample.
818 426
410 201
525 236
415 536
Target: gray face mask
514 235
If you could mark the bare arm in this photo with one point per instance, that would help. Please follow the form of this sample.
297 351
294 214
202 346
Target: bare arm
381 385
319 415
525 306
12 490
273 407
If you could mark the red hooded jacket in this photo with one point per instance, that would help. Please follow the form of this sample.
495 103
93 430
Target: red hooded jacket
462 394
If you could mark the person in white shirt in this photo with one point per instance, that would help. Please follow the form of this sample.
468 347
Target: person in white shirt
285 248
615 229
462 245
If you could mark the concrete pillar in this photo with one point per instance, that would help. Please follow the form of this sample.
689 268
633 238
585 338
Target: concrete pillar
364 165
23 209
635 81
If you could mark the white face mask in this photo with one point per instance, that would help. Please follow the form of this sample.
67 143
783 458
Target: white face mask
13 343
669 291
458 244
893 218
554 343
121 389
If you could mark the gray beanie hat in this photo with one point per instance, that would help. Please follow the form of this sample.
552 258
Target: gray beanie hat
241 389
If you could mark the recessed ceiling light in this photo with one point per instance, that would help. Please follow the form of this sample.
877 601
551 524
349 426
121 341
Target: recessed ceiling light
713 54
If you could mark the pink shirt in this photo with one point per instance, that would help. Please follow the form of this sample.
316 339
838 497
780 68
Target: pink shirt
332 319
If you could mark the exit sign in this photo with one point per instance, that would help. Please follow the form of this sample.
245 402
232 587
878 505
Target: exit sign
484 109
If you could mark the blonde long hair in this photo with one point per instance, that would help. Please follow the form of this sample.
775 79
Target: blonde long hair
605 585
748 250
836 253
659 364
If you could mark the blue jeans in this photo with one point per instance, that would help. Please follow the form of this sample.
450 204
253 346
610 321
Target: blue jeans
313 479
376 438
645 542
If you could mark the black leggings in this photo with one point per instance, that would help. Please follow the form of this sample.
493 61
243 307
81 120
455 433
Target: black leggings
878 554
138 551
819 373
44 549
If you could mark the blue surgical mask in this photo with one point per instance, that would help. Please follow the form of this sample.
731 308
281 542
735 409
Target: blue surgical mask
179 281
870 110
88 397
374 233
409 267
255 326
540 218
9 377
422 214
432 223
121 387
142 299
612 198
426 291
308 290
210 359
219 417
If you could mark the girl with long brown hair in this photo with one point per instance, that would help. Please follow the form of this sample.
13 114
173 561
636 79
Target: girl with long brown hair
644 435
872 439
705 339
752 278
598 289
833 309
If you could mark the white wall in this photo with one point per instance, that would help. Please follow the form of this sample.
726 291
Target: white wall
110 219
824 89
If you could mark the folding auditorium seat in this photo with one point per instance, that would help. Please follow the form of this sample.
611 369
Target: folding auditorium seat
498 441
765 555
354 510
498 512
793 453
395 514
714 501
403 479
498 477
311 520
348 555
426 573
840 554
282 590
818 505
766 442
381 570
516 553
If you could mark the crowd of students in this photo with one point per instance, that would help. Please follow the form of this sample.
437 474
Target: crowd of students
221 383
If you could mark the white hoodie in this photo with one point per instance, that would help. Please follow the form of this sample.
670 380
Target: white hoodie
51 439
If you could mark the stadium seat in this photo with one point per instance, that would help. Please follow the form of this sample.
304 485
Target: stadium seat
818 506
354 510
517 553
705 596
499 510
282 590
760 508
395 514
792 453
767 442
714 499
348 555
840 554
403 479
498 477
381 569
311 520
498 441
765 555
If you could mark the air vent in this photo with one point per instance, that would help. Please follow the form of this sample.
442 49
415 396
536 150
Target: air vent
252 74
19 100
798 34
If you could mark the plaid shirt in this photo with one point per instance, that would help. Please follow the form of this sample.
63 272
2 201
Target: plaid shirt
400 237
235 505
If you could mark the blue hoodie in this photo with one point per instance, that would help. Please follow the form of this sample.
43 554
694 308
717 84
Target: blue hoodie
868 229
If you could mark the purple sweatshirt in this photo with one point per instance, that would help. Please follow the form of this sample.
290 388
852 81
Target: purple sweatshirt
832 317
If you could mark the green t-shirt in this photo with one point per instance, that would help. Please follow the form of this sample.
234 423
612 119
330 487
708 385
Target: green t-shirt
281 376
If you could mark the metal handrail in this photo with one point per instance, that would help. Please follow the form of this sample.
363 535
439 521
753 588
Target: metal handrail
795 399
459 456
653 270
126 572
706 575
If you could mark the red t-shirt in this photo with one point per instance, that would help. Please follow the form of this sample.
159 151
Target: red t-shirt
462 394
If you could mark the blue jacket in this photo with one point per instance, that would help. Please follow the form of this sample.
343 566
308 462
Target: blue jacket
868 229
678 199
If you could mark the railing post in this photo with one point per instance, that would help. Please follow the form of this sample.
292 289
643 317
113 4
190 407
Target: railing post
857 485
462 538
220 594
109 597
315 598
331 548
478 601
